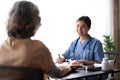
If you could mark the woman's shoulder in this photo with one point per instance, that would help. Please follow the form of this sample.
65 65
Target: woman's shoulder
38 42
40 45
95 40
4 44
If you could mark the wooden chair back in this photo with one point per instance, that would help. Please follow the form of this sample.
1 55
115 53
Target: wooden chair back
20 73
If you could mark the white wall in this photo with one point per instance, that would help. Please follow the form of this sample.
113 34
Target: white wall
59 20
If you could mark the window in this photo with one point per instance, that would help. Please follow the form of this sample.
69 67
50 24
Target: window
59 17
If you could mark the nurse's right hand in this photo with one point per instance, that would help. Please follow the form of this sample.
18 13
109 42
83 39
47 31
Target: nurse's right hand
60 59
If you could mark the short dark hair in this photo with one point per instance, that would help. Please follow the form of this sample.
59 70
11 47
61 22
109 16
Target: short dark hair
23 20
86 19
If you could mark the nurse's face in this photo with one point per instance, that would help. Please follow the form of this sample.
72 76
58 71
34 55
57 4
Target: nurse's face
82 28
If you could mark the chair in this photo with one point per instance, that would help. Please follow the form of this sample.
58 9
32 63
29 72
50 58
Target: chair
20 73
111 56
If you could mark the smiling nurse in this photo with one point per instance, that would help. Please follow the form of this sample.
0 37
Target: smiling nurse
85 49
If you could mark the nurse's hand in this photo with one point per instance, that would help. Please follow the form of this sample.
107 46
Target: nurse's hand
74 64
77 63
81 61
60 59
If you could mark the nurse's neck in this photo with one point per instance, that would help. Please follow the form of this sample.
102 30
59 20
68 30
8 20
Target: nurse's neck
83 38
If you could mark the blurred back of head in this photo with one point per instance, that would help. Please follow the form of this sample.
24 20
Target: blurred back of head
23 20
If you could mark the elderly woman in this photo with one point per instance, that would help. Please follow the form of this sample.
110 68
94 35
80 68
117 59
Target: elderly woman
19 49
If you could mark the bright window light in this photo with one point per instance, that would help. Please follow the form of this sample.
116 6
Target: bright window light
59 17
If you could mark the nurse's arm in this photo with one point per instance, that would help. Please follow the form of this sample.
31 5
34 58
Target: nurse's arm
86 62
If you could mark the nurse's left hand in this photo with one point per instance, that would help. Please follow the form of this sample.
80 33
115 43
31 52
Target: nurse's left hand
74 63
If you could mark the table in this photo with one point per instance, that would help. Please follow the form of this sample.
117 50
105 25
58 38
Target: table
80 73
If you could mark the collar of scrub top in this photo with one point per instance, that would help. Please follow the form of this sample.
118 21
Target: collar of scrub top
84 44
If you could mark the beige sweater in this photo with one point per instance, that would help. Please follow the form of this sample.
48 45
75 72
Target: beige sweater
27 53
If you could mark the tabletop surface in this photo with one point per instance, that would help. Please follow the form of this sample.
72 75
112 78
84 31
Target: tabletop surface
80 73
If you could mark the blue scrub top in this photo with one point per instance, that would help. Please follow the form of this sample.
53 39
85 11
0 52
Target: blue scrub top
91 50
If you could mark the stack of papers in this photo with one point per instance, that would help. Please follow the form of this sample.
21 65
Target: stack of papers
97 65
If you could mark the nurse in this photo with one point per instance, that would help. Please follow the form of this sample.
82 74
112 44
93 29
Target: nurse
85 49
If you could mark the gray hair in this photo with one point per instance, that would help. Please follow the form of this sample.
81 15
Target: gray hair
23 20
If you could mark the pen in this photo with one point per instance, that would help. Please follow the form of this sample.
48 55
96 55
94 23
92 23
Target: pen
59 55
